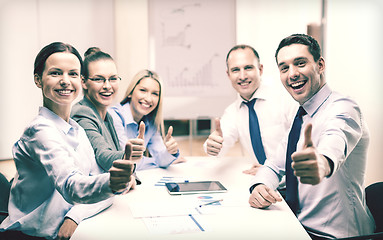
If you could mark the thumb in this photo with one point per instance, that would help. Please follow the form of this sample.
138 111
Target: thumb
141 130
128 151
308 142
169 135
218 127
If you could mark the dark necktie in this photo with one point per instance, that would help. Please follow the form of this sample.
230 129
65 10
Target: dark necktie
255 133
291 179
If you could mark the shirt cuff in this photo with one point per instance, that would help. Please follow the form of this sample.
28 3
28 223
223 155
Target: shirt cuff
176 154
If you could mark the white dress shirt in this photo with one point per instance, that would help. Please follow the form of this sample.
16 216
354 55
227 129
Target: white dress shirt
271 108
336 206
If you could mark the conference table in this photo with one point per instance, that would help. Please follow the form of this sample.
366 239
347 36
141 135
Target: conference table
150 212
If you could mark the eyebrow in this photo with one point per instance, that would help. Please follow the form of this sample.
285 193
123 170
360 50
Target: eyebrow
295 59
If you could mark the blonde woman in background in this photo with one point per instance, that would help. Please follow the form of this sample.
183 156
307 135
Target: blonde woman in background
142 105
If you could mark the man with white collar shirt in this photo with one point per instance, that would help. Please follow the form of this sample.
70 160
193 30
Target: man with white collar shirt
325 166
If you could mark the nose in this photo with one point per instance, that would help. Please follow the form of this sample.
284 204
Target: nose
293 73
242 74
106 84
64 80
148 97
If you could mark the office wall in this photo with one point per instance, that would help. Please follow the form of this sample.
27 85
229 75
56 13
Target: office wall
354 62
353 49
25 27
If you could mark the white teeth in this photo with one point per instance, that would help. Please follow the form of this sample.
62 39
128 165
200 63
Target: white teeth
297 84
64 91
145 105
106 94
244 83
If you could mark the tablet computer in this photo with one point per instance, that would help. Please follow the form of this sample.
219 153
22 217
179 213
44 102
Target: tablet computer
194 187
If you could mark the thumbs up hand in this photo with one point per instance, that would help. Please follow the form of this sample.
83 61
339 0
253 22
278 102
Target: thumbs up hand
138 144
308 165
215 140
121 178
170 142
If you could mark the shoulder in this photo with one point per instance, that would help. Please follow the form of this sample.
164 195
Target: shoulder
118 112
82 111
233 107
40 128
343 105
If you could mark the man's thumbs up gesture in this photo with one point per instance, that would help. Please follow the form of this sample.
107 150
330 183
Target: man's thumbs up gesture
170 142
310 166
138 144
215 140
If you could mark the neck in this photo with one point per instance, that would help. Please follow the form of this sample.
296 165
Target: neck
102 110
63 111
137 118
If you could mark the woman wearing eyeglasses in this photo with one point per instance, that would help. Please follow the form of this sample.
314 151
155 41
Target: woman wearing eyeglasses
143 104
100 82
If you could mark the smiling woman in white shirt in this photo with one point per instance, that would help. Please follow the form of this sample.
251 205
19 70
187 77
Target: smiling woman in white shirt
56 167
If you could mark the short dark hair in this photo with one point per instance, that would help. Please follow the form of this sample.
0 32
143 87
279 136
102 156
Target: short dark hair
304 39
50 49
91 55
242 46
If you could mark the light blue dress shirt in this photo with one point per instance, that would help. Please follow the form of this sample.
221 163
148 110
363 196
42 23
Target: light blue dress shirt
336 207
127 128
55 168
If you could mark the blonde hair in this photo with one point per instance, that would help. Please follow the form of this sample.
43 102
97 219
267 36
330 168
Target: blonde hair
156 114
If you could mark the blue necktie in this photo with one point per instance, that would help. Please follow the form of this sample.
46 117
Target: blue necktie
255 133
291 179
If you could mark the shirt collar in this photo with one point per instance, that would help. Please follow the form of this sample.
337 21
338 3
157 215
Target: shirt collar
261 93
59 122
312 105
127 113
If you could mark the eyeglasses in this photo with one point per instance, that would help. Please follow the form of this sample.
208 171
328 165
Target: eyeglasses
103 80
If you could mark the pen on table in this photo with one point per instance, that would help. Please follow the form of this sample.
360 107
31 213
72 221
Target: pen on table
212 202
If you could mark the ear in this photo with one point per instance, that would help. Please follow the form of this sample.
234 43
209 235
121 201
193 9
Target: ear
38 80
83 83
321 65
260 69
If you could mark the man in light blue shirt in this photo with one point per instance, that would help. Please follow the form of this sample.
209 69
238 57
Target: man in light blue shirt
331 151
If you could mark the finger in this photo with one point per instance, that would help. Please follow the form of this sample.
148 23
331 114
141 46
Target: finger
308 141
169 135
122 166
214 144
269 196
274 195
215 139
137 143
218 127
261 198
141 130
304 155
128 151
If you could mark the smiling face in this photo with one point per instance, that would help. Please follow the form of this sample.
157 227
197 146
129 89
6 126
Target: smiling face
60 82
101 94
144 98
299 73
244 72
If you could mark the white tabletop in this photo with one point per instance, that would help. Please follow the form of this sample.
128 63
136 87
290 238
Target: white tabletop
233 218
